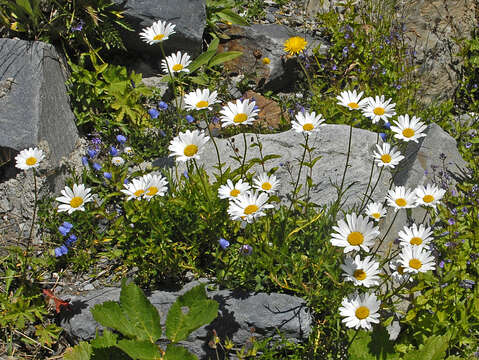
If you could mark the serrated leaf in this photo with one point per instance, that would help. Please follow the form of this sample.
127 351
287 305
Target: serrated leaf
434 349
231 16
372 345
143 350
224 57
109 314
199 311
174 352
82 351
107 339
143 316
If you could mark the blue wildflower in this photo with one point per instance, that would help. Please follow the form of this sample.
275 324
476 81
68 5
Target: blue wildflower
113 151
121 138
96 166
107 175
224 243
92 153
71 240
153 113
162 105
246 249
383 136
84 161
65 228
387 125
62 250
190 119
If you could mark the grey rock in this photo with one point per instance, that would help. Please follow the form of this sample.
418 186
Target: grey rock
189 16
36 107
331 143
241 315
270 17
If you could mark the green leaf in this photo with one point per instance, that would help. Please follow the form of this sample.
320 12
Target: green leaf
434 349
143 350
189 312
82 351
108 339
213 46
224 57
174 352
25 5
201 60
372 346
109 314
232 17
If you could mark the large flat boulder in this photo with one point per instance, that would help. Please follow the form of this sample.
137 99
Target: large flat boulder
35 105
241 315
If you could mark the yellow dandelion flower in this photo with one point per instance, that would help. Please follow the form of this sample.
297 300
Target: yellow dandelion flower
266 60
294 45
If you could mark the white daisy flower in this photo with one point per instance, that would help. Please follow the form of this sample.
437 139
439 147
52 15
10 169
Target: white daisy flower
399 274
249 206
387 156
416 259
401 198
158 32
268 184
239 113
29 158
188 145
74 199
135 189
360 311
415 236
128 150
408 130
376 211
176 63
354 234
378 109
117 160
231 191
429 195
351 100
361 272
307 122
200 99
155 185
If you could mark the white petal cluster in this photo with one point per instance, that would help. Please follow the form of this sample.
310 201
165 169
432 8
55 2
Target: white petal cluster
188 145
74 199
355 233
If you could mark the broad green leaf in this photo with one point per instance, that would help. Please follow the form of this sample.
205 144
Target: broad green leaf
224 57
109 314
213 46
25 5
201 60
434 349
189 312
143 316
372 345
174 352
232 17
82 351
108 339
143 350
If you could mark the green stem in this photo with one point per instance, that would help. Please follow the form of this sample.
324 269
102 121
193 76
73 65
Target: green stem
216 148
244 154
202 179
386 234
173 83
369 181
299 172
306 73
346 165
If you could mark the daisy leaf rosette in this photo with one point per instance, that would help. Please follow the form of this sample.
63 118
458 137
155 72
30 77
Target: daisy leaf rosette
158 32
29 158
406 129
361 272
74 199
416 259
307 122
415 235
352 100
239 113
249 206
188 145
378 109
360 311
355 233
231 190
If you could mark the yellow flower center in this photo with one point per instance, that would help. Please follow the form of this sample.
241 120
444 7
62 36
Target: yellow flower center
376 215
239 118
190 150
139 192
266 186
386 158
408 132
76 202
355 238
378 111
308 127
400 269
177 67
152 191
202 104
235 192
401 202
415 263
250 209
31 161
359 274
295 45
158 37
353 105
416 241
362 312
428 198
